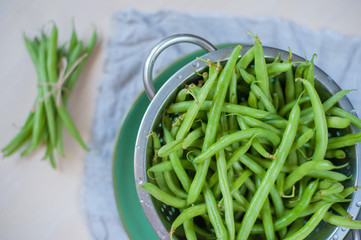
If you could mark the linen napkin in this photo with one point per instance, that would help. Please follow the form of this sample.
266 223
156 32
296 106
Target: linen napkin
134 33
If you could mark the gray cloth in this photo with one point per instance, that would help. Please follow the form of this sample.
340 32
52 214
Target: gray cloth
133 34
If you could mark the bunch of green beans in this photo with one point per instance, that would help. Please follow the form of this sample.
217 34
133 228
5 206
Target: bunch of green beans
251 152
58 69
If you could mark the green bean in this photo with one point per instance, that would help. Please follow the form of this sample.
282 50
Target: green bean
335 153
51 63
321 134
213 213
276 68
297 211
33 52
176 164
255 143
295 226
163 196
299 74
235 157
348 191
39 123
293 214
325 184
173 184
275 101
189 230
271 174
75 54
43 82
213 119
73 40
281 124
289 82
240 180
167 166
340 210
233 98
73 78
344 141
252 100
170 147
303 139
188 214
261 68
247 77
196 104
309 74
49 154
246 58
341 221
267 216
267 163
226 193
305 168
326 106
263 97
239 152
237 136
336 187
227 107
258 170
328 175
337 122
203 233
286 108
182 95
69 124
342 113
21 137
59 136
311 224
159 176
279 93
253 122
240 199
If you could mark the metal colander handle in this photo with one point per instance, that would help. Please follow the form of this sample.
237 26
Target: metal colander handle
162 45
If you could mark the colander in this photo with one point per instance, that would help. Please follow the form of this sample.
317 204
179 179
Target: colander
159 215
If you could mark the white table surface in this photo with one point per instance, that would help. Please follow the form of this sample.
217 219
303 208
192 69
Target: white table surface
37 202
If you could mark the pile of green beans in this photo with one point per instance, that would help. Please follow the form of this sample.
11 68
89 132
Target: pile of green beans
250 151
58 69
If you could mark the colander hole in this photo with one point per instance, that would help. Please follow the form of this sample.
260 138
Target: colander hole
173 209
160 235
168 218
179 76
343 229
170 212
195 64
140 181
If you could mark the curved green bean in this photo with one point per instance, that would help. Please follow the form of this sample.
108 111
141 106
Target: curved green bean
271 175
237 136
163 196
311 224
